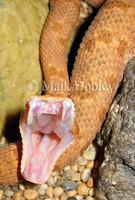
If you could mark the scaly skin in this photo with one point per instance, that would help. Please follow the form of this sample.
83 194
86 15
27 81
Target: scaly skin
104 52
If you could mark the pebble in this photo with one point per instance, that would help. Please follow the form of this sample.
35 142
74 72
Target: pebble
71 198
69 173
2 140
30 194
1 194
90 164
63 196
67 168
69 185
61 181
56 198
71 193
51 181
43 186
57 191
88 198
82 162
8 193
55 173
41 191
85 175
8 198
92 145
57 178
49 191
30 185
81 168
76 177
15 188
90 155
84 4
6 187
74 167
17 196
92 191
82 189
79 197
48 199
21 187
90 182
78 182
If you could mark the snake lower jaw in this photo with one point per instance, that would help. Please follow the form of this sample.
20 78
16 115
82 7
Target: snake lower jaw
45 128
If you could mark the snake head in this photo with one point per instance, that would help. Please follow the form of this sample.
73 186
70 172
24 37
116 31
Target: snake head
45 128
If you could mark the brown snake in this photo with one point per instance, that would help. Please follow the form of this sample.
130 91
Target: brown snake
104 52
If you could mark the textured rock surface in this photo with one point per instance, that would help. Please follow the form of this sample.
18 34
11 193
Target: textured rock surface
117 140
21 24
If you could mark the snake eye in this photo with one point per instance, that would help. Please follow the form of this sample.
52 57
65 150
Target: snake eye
45 134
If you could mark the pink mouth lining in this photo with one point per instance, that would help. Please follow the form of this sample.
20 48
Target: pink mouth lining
45 134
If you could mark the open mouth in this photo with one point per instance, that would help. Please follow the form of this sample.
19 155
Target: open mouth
46 132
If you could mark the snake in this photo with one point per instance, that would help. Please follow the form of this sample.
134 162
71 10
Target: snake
58 126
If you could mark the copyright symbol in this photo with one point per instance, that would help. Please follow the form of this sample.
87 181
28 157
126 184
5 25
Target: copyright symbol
32 86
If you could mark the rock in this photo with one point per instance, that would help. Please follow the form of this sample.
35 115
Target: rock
81 168
49 199
63 197
61 181
88 198
91 154
67 168
90 182
55 198
17 196
82 162
15 188
76 177
68 173
71 198
50 181
30 194
79 197
69 185
41 191
74 167
92 191
21 187
49 191
82 189
1 194
8 193
85 175
30 185
31 15
71 193
57 191
117 140
43 186
8 198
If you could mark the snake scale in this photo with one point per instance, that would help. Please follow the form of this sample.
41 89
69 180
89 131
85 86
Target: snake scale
103 54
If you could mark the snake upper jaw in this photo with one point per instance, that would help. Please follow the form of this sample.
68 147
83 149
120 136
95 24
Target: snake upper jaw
45 128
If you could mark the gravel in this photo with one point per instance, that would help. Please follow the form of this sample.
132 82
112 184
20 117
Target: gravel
76 181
